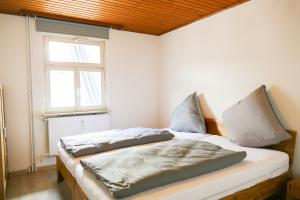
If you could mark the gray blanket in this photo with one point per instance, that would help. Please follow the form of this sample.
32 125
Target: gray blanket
130 171
91 143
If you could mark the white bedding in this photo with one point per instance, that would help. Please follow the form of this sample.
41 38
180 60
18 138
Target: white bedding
258 166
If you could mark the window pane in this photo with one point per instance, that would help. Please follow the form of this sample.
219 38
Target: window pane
90 88
72 52
62 88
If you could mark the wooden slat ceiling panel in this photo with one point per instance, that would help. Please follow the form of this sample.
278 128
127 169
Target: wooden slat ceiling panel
154 17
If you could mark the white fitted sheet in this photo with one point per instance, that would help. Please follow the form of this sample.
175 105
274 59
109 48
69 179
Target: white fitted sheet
258 166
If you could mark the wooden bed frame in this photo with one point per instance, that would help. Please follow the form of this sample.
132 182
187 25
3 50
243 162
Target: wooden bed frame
259 191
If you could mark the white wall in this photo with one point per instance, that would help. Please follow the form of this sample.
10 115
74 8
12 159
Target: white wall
223 57
13 74
226 56
132 67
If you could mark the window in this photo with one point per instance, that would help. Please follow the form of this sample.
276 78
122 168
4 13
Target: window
75 75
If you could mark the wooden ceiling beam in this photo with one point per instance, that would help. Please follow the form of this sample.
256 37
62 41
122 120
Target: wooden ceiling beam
105 10
143 16
115 17
208 15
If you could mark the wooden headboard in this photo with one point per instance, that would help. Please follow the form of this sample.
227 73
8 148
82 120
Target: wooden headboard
216 128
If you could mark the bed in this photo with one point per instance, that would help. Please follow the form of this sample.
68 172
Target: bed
257 177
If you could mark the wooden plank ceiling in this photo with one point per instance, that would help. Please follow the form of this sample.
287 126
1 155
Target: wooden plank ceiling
154 17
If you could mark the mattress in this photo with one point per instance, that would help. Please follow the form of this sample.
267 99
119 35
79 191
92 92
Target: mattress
258 166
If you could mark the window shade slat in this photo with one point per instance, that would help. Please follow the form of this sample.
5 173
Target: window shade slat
70 28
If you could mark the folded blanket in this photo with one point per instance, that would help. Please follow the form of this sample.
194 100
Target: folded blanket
130 171
91 143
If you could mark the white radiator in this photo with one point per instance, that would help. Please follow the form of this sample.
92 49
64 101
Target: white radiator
65 126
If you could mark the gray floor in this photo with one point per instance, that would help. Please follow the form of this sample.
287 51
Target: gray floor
40 185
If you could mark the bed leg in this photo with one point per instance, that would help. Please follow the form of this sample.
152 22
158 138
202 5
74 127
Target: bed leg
289 192
74 194
60 178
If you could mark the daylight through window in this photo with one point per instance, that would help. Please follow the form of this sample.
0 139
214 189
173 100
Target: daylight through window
75 75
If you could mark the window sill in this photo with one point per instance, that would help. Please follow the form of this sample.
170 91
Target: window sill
77 113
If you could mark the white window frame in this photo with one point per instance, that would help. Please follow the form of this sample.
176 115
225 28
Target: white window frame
76 68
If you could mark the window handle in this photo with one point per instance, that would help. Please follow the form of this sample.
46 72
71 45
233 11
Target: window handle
5 132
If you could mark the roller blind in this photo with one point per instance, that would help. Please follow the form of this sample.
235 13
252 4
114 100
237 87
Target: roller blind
70 28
